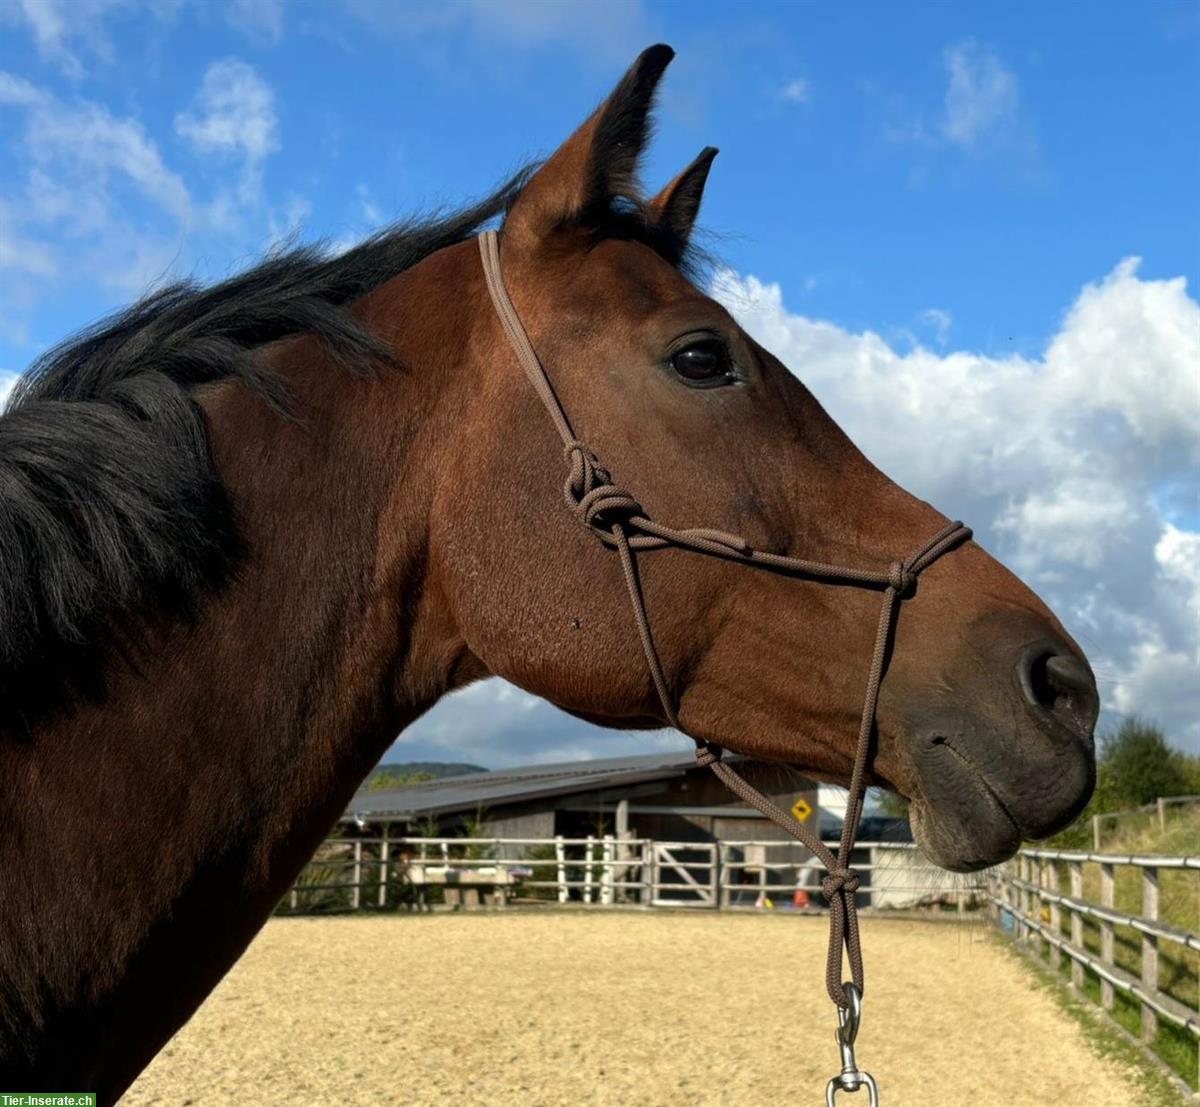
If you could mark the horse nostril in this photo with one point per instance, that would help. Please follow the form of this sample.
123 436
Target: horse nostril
1062 686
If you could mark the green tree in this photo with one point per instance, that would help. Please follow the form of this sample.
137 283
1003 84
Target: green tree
388 777
1134 766
476 826
1138 766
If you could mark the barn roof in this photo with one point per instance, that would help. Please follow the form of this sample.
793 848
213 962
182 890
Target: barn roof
467 793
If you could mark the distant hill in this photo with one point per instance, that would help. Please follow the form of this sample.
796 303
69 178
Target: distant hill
396 774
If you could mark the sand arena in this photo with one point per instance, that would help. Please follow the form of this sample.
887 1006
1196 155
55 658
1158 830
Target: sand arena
567 1008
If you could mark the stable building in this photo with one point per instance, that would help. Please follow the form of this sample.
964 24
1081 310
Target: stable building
664 796
657 820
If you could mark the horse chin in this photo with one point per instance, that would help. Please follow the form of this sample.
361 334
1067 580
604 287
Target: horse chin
972 835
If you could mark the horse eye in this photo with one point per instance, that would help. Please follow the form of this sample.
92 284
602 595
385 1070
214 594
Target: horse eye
703 363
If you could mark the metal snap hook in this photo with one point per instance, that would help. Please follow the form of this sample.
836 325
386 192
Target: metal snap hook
851 1078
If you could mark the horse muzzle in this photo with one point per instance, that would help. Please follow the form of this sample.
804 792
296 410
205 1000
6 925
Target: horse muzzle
1007 755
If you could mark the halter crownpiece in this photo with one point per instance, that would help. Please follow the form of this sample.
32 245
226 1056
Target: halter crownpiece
618 520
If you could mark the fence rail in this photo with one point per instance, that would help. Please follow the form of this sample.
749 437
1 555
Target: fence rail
1157 810
420 873
1127 949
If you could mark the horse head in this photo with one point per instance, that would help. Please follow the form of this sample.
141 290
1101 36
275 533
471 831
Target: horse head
986 714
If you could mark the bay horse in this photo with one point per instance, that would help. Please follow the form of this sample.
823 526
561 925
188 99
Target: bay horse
250 532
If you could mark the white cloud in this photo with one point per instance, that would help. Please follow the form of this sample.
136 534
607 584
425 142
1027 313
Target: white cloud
233 117
1153 386
93 199
980 114
1073 521
1178 554
48 27
18 92
981 97
287 222
86 171
1056 461
1155 675
21 254
46 22
64 31
495 724
797 91
260 20
94 143
232 113
371 212
98 201
7 379
941 321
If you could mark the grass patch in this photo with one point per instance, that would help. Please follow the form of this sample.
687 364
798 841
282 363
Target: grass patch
1155 1087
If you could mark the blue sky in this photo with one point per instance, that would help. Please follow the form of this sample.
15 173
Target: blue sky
989 205
848 172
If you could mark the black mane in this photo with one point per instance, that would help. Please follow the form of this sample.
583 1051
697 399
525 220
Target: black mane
111 510
112 515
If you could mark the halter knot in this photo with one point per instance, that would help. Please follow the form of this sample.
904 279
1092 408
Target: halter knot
840 880
707 754
901 578
596 502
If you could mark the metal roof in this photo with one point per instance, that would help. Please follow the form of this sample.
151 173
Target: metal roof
466 793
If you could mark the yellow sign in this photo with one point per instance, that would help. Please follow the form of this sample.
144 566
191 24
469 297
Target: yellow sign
801 809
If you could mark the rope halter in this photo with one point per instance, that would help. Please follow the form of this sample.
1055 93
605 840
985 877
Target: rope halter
618 520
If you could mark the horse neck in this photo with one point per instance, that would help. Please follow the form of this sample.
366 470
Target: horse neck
333 637
202 783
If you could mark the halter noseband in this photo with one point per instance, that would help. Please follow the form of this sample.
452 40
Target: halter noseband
617 519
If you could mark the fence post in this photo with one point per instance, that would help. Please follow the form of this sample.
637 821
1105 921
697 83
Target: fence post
1096 833
1023 899
1056 953
1162 813
383 869
647 896
587 870
501 894
1001 879
606 871
560 855
1039 942
1036 876
1108 887
356 893
1076 870
715 876
1149 950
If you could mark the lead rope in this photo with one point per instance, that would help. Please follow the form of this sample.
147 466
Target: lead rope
618 520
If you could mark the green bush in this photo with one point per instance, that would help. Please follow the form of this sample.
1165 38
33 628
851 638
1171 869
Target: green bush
1135 766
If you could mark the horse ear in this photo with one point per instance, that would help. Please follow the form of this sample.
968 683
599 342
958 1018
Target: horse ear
673 211
598 162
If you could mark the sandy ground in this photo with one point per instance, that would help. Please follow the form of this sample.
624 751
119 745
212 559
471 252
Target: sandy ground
574 1008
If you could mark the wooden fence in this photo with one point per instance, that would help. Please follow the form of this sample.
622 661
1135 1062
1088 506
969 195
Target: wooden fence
418 873
1142 970
1153 813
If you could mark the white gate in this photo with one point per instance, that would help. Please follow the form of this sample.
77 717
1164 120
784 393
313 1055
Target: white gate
684 874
